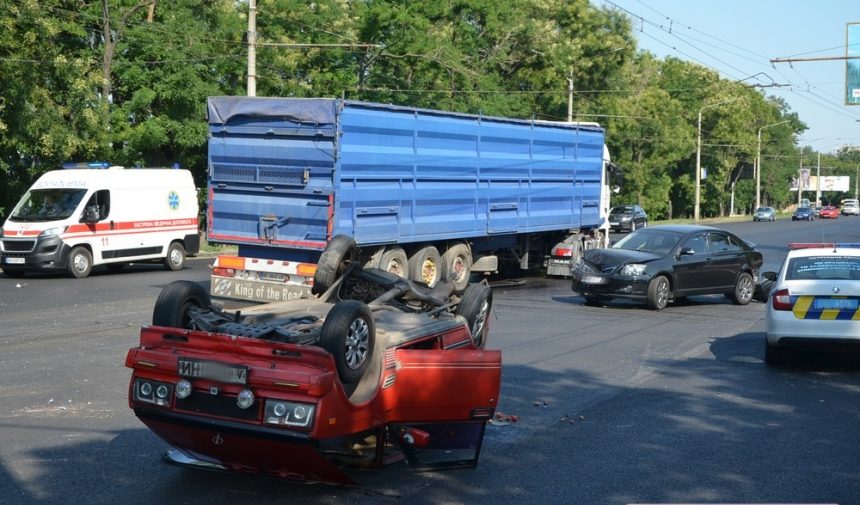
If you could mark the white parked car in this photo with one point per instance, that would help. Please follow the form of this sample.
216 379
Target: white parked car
815 300
850 208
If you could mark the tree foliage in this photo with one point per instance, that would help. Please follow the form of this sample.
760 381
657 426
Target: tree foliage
127 81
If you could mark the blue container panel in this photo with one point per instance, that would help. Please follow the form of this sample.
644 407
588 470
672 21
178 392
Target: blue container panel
411 175
242 215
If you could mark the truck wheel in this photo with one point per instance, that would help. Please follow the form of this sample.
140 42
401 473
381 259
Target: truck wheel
80 262
174 302
336 257
14 272
349 335
424 266
658 293
394 260
457 266
175 258
475 307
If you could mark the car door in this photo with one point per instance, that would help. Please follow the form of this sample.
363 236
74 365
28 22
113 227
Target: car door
440 401
691 270
725 262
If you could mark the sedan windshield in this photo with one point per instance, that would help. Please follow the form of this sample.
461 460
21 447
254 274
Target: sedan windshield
650 240
622 210
823 267
47 204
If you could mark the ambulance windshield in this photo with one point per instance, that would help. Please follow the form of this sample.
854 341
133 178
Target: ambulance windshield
47 204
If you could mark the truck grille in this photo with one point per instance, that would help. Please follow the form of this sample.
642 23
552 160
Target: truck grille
18 245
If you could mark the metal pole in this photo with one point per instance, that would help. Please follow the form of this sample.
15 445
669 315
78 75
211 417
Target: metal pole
818 182
252 48
570 97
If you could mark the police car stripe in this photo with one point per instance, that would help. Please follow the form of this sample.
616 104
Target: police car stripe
802 309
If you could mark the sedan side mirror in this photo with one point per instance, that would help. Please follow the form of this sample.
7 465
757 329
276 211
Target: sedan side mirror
687 251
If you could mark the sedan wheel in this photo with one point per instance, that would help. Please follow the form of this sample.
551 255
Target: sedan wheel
658 293
744 289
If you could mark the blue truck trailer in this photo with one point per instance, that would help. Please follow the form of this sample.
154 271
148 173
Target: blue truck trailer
425 194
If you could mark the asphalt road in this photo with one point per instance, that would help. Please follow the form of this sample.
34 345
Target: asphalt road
616 404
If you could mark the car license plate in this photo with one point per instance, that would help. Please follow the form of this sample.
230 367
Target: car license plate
212 370
835 304
272 276
13 261
593 279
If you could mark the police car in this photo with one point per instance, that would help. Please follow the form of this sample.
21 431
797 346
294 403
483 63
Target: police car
815 300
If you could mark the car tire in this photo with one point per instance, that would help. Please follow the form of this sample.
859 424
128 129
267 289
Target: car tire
475 307
174 302
425 266
340 252
80 262
658 293
645 224
773 355
762 291
632 226
14 273
174 260
394 260
744 288
457 266
348 333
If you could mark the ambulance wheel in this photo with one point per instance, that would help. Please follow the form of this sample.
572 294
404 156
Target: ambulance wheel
349 335
175 258
80 262
14 272
475 308
176 300
337 256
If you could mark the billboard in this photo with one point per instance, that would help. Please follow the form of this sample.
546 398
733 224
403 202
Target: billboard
852 66
828 182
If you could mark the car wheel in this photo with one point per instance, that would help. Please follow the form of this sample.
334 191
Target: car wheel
762 291
645 224
632 226
337 256
80 262
176 300
658 293
349 335
744 288
14 273
394 260
773 355
475 308
175 258
457 266
425 266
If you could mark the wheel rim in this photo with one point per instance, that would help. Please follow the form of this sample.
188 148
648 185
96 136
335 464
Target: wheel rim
357 344
428 271
745 288
396 267
478 325
81 263
175 256
459 268
662 292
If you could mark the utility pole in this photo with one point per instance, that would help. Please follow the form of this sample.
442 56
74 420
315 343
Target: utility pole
570 97
818 182
252 47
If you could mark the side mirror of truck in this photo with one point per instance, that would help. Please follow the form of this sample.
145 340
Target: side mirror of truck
91 214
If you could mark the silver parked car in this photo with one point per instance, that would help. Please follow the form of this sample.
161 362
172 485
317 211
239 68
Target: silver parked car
764 214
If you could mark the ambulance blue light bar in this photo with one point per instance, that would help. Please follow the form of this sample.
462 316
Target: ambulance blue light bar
823 245
86 164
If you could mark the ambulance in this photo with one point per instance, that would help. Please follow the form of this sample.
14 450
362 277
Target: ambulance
78 218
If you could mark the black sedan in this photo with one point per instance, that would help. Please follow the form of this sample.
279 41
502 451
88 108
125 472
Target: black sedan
803 214
661 264
627 218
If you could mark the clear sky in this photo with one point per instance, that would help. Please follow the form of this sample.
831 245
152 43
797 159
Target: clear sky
738 38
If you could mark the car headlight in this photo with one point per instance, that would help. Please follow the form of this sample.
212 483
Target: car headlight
626 218
53 231
153 392
283 413
633 269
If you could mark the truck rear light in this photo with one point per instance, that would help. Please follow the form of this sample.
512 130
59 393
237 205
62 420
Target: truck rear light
223 272
564 251
234 262
782 300
306 269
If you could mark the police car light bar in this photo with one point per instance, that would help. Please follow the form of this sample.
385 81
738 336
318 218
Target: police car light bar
90 164
823 245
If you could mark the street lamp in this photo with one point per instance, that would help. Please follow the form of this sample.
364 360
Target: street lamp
758 164
699 155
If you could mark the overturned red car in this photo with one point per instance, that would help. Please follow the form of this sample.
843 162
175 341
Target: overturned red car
376 369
